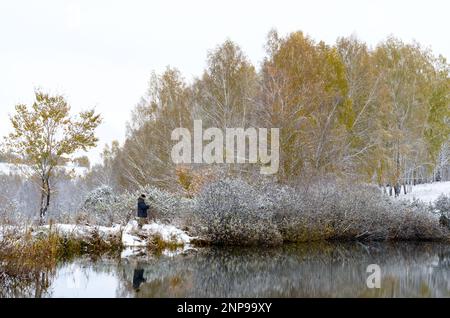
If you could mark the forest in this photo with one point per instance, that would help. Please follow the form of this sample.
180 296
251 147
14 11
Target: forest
377 115
358 125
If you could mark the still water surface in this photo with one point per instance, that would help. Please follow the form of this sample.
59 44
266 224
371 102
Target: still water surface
312 270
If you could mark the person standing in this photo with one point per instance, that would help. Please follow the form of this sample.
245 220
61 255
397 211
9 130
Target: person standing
142 210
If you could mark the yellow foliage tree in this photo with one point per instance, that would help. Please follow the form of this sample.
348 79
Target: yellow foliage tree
45 133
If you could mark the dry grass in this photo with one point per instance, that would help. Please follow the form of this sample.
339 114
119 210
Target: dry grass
156 244
27 258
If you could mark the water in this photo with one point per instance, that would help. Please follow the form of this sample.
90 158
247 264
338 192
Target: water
310 270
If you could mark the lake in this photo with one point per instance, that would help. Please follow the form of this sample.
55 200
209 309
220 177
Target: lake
306 270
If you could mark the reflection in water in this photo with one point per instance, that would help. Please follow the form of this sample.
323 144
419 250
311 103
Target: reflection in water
31 284
138 277
310 270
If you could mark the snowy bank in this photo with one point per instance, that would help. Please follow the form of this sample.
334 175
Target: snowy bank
428 192
130 235
133 236
81 232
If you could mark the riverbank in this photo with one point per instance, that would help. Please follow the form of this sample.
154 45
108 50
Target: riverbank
22 245
92 238
229 212
28 250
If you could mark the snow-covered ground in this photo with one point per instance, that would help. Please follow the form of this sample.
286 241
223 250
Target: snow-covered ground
82 231
11 169
135 240
428 192
132 236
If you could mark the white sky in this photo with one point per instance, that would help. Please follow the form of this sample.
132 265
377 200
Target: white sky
101 52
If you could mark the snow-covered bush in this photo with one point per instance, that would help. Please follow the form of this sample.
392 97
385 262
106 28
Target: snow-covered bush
100 198
103 207
442 205
414 221
341 210
233 212
230 211
167 207
238 212
99 207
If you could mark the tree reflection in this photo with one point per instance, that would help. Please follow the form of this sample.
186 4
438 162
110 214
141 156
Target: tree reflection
29 284
307 270
312 270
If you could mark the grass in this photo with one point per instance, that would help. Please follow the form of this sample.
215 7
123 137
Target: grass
27 259
157 244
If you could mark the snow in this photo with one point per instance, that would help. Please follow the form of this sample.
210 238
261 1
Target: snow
7 168
82 231
135 237
168 233
11 229
132 236
428 192
21 169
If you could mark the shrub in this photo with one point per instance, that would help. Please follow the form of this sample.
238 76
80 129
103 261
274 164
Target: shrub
167 207
231 212
103 207
442 205
235 212
99 207
345 211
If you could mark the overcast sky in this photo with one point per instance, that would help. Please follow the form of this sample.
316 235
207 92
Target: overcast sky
101 52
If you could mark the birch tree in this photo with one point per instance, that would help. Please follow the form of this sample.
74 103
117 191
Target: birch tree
45 133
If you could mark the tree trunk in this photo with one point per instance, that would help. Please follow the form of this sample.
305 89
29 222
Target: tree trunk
45 199
41 211
397 171
397 189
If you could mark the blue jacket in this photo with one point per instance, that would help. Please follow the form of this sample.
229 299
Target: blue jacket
142 208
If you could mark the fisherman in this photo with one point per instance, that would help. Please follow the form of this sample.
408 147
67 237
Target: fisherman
142 211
